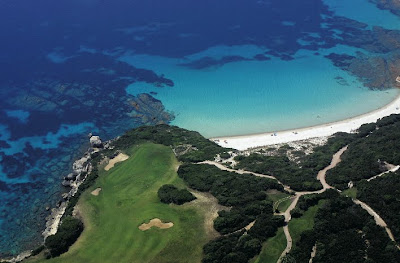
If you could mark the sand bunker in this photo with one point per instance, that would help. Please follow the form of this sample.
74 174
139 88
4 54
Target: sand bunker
96 191
119 158
157 223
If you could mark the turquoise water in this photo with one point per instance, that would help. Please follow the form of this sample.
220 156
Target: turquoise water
258 96
365 12
261 96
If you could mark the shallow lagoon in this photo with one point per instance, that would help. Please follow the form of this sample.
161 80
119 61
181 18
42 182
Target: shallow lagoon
258 96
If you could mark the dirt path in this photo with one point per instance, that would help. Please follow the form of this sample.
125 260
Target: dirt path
313 253
392 169
378 220
224 168
277 203
336 159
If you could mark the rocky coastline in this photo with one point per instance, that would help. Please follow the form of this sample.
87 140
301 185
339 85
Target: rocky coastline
80 170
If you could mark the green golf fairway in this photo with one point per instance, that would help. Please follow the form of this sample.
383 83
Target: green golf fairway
129 198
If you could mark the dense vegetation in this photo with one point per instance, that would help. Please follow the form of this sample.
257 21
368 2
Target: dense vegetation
246 195
344 232
383 195
189 146
298 176
306 201
240 246
68 232
170 194
375 144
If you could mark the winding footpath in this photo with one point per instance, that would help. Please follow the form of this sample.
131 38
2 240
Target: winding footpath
224 168
336 159
322 178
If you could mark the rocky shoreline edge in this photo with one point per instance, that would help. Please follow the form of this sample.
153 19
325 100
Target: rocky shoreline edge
81 168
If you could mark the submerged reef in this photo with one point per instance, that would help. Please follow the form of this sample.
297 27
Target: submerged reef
63 103
392 5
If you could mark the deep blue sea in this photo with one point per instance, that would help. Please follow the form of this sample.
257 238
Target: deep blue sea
222 67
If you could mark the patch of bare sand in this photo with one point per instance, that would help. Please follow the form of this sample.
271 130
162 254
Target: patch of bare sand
119 158
249 226
96 191
209 204
157 223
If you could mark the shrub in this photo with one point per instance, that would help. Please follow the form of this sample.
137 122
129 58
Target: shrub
170 194
68 232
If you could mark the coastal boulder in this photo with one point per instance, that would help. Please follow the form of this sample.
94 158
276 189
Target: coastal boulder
95 142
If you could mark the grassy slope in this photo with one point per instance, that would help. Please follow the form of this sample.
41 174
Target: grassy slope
283 206
352 192
272 248
275 196
303 223
128 199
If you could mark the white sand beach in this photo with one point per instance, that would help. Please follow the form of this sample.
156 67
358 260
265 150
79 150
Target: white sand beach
244 142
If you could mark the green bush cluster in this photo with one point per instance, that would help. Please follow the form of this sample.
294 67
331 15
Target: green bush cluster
307 201
383 195
68 232
202 148
344 232
375 144
246 195
299 177
170 194
240 246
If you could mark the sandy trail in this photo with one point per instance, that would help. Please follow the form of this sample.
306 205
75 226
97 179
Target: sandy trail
313 253
277 203
336 159
119 158
392 169
249 226
157 223
378 219
224 168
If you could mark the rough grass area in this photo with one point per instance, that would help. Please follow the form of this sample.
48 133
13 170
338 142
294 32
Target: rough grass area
351 192
280 200
129 199
272 248
303 223
275 195
284 205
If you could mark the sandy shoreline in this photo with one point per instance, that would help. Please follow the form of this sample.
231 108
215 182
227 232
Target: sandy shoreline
244 142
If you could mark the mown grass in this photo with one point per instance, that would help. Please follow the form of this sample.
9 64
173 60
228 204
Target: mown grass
284 205
351 192
272 248
306 222
275 196
129 198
